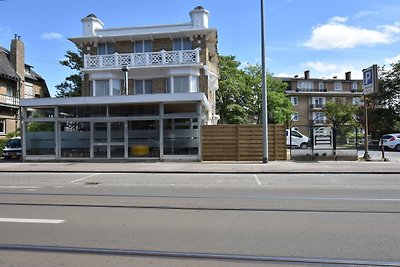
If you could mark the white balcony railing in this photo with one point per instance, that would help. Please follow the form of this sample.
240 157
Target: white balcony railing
142 59
9 100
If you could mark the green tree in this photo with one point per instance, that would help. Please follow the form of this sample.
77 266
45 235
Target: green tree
340 113
72 86
233 95
240 94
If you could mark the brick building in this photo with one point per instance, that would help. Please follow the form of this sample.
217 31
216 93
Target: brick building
146 91
309 96
17 81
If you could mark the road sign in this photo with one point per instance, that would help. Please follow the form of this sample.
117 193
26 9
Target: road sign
370 80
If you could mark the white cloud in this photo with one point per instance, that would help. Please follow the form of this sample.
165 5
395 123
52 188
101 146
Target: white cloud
338 19
391 60
336 35
52 36
365 13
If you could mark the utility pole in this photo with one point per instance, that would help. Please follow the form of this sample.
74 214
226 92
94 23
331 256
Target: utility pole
264 89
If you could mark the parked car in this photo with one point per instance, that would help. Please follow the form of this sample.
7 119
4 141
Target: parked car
12 149
391 141
299 140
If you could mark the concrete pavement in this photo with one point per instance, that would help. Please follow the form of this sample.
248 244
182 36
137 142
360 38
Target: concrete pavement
375 166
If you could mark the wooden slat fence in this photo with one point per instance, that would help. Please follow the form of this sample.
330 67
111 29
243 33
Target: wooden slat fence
242 142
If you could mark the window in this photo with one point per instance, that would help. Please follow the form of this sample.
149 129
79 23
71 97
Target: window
321 86
339 99
2 126
318 102
101 88
143 87
182 44
181 84
319 117
143 46
294 100
295 116
116 87
338 86
354 87
10 90
106 48
29 90
305 86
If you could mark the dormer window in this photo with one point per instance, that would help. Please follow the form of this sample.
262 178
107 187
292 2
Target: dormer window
182 44
27 69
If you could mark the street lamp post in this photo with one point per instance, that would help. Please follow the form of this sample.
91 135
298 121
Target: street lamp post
264 90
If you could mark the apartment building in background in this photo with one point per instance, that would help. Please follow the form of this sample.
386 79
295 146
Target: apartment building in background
17 81
309 96
146 91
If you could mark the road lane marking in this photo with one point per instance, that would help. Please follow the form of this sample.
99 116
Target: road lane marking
20 187
21 220
83 178
257 180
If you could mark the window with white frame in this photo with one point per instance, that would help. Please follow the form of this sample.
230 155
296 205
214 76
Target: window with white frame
354 86
29 90
305 85
101 87
143 87
183 84
143 46
116 87
295 116
106 48
319 117
321 86
338 86
2 126
294 100
182 44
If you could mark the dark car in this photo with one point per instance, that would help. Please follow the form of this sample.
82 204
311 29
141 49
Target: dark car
12 148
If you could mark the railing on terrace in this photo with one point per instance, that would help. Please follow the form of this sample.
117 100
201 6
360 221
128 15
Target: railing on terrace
9 100
142 59
317 106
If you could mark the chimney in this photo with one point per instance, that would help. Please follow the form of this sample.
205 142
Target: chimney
17 56
307 74
199 17
334 77
90 25
348 76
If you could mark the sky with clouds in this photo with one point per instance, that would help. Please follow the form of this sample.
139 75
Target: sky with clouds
327 37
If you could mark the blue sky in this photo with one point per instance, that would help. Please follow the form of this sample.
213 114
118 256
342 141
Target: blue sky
327 37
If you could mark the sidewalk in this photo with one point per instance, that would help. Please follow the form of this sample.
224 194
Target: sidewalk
205 167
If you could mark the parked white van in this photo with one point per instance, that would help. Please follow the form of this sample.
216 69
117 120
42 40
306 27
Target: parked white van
299 140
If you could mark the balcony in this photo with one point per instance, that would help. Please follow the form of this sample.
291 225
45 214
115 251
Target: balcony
317 106
6 100
162 58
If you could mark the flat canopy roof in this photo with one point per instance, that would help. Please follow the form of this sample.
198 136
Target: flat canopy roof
115 100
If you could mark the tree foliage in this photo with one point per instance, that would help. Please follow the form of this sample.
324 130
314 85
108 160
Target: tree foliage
72 86
239 95
339 113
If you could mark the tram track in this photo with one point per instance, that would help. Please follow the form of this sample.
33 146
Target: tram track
196 255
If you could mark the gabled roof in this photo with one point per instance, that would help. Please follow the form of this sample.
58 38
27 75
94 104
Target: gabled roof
6 68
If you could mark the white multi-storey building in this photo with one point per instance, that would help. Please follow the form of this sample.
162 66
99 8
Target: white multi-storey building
146 91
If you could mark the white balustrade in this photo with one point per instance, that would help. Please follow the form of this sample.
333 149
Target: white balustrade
142 59
9 100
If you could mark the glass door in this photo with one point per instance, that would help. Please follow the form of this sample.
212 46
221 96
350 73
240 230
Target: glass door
117 140
100 143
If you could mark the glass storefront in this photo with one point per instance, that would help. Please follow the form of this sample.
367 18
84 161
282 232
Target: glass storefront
153 131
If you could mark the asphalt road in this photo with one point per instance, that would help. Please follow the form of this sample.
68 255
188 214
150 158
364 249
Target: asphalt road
199 220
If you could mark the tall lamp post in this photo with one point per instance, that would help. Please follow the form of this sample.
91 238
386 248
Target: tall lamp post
264 89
